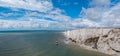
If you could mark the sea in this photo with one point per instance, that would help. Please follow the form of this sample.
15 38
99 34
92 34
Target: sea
38 43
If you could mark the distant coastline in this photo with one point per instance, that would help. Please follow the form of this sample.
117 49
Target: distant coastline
32 30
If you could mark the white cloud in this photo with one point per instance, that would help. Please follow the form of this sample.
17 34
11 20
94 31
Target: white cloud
42 6
34 20
3 15
102 16
31 24
100 3
54 15
84 23
99 14
111 17
92 13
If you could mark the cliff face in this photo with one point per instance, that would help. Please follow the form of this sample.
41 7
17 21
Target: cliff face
105 40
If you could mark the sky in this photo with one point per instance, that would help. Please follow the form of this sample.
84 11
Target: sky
58 14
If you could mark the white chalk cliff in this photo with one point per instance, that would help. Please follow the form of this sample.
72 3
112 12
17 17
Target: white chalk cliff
105 40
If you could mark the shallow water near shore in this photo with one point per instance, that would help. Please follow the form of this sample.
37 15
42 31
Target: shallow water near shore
38 44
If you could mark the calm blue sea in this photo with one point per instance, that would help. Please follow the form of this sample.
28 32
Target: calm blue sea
37 43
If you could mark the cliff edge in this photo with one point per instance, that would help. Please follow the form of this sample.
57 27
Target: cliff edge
105 40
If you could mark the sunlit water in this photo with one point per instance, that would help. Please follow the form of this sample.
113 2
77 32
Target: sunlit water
38 44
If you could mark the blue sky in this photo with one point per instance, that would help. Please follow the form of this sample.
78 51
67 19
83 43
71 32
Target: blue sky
71 7
58 14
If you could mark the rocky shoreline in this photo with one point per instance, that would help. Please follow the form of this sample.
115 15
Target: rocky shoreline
104 40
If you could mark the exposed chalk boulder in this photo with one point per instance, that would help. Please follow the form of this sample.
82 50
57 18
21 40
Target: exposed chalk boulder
105 40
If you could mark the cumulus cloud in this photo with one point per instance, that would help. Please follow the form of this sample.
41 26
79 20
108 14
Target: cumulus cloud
55 15
30 24
41 14
42 5
111 17
102 14
100 3
78 23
